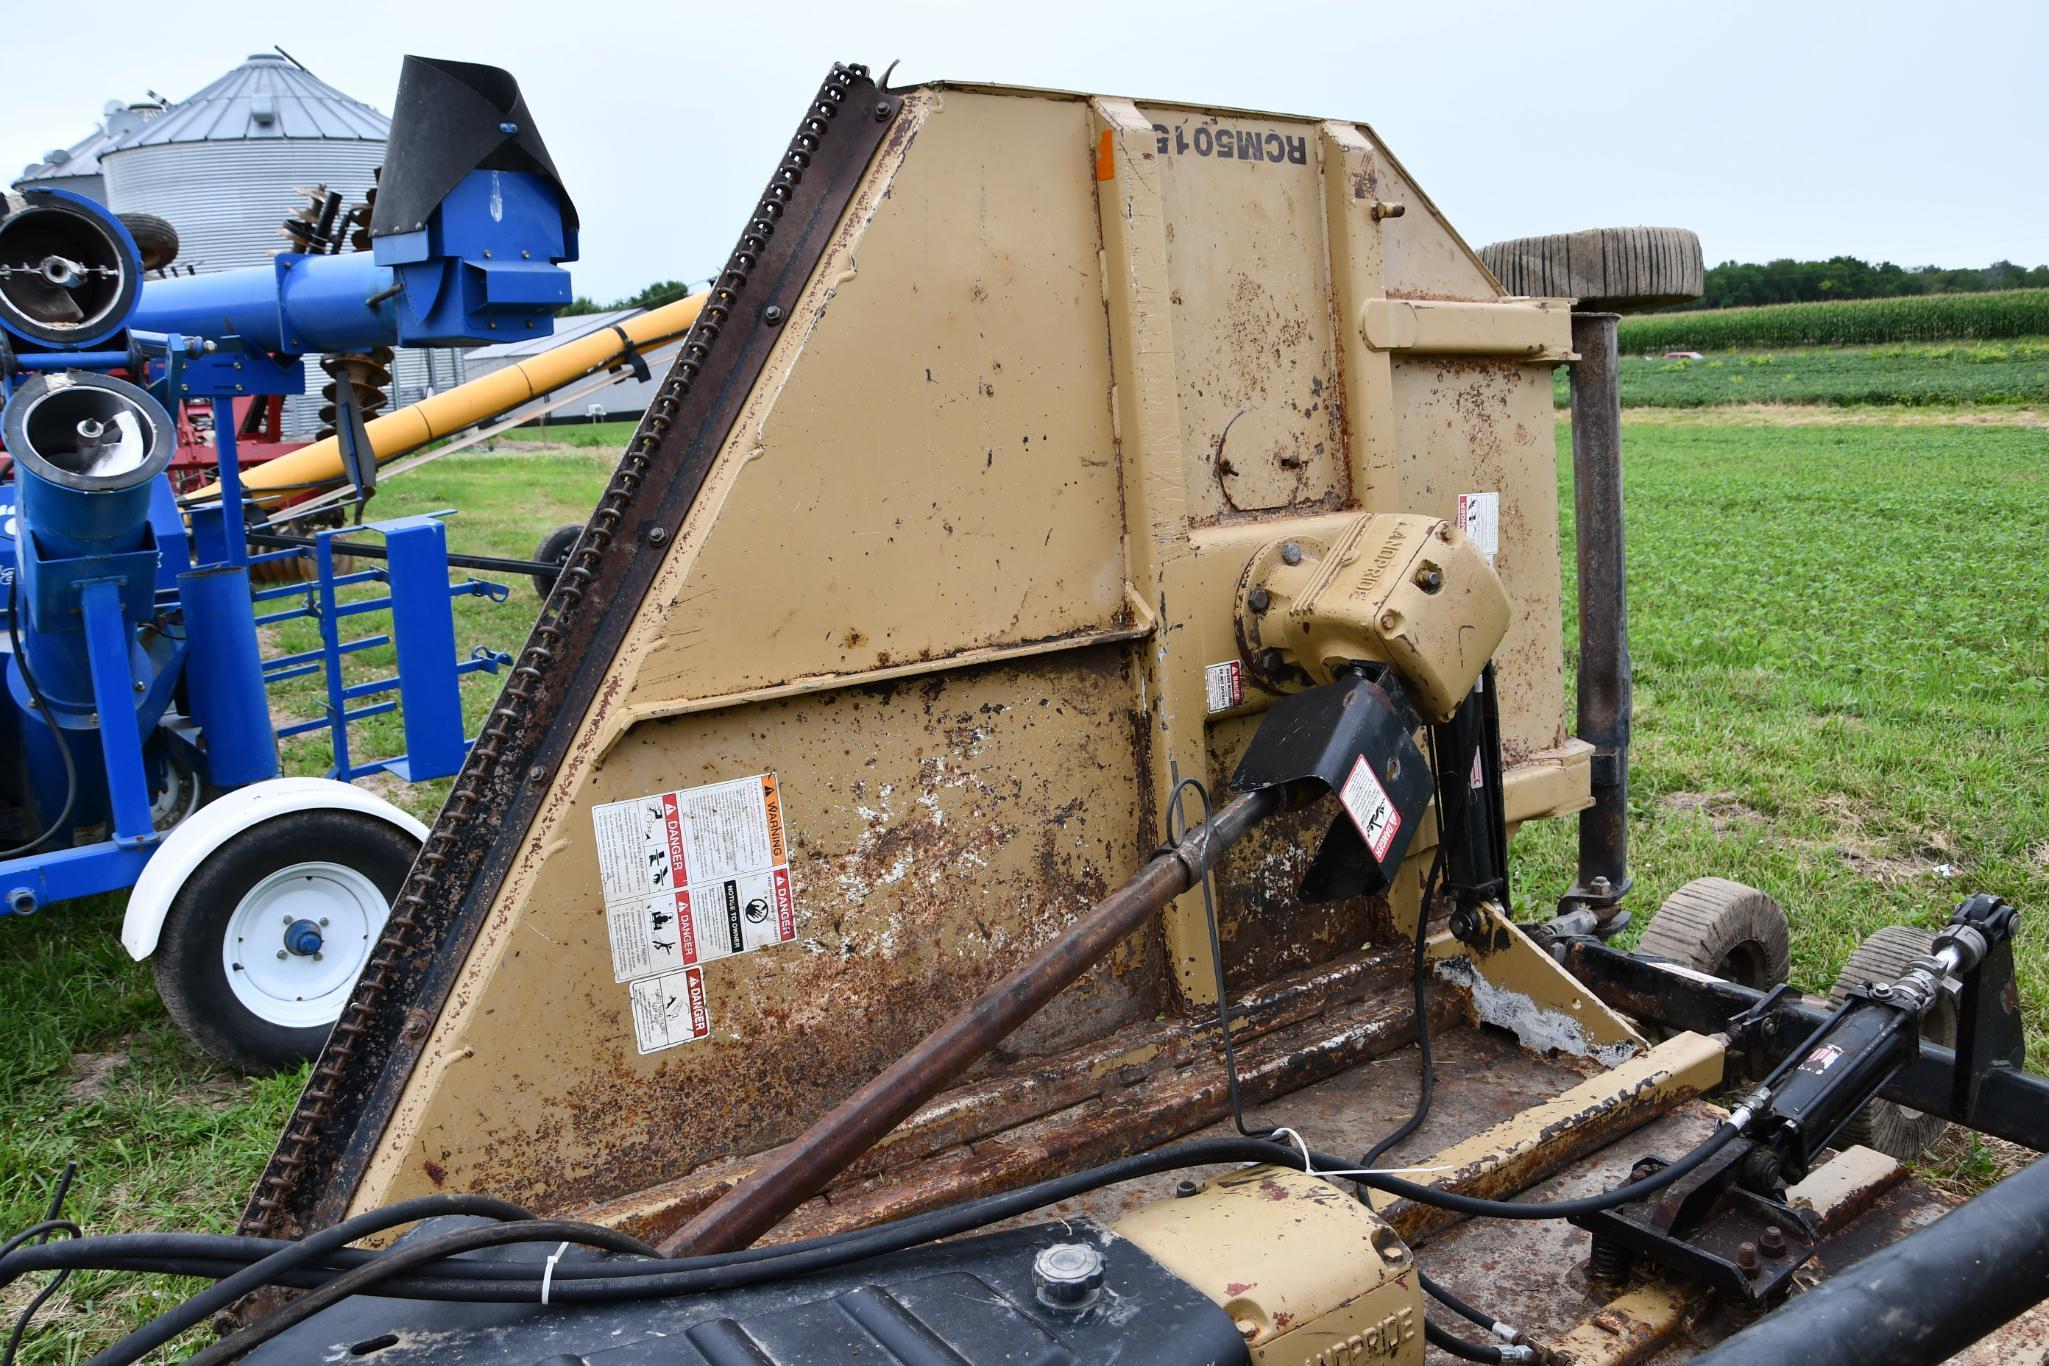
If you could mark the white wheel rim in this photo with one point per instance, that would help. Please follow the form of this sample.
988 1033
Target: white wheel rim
302 990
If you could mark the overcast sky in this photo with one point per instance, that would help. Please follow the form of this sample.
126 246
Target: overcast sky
1917 133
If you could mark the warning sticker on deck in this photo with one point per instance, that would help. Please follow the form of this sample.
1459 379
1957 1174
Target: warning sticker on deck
1367 802
670 1009
1479 516
694 875
1224 685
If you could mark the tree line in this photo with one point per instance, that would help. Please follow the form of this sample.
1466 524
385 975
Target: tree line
1732 284
1743 284
654 296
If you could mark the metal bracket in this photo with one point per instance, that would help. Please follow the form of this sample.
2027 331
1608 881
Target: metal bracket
1354 737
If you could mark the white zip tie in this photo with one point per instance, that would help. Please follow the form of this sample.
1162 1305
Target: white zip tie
1310 1168
548 1272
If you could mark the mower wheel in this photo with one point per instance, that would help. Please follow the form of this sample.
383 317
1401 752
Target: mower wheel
1895 1130
264 941
154 237
1615 270
554 549
1724 929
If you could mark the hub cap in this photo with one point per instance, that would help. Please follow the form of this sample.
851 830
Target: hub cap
297 940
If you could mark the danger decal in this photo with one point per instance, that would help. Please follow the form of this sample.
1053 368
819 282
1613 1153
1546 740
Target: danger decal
690 877
669 1010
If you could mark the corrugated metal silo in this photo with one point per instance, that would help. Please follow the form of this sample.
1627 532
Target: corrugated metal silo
222 165
77 168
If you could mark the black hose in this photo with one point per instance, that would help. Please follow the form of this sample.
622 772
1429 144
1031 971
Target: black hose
1426 1083
1426 1077
1458 1346
200 1307
42 705
611 1282
1436 1291
404 1258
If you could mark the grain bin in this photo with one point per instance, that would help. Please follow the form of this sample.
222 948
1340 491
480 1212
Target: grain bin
222 165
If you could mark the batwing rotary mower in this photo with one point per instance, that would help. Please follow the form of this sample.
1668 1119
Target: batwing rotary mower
1028 739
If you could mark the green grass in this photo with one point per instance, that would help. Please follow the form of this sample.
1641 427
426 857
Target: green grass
1849 322
507 502
609 436
1841 648
92 1071
1945 375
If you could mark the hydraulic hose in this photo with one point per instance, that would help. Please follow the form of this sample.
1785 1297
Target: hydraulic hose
603 1282
1458 1346
200 1307
397 1261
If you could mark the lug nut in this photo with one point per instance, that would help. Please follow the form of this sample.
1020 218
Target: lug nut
1291 553
1746 1259
1259 599
1185 1188
1270 661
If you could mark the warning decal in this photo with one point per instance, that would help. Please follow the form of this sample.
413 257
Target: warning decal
670 1009
1224 685
1366 801
694 875
1479 516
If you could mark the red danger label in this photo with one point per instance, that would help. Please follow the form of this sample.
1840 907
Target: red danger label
785 906
672 823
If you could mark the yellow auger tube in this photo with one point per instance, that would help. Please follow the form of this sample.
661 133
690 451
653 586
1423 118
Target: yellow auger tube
481 399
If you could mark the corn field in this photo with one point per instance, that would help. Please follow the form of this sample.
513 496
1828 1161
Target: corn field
1850 322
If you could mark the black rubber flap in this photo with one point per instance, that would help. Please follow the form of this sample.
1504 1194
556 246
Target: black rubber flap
1355 737
449 121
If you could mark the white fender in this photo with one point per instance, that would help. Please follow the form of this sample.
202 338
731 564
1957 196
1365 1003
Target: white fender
219 821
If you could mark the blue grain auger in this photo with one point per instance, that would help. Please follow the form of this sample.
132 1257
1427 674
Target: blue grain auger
137 748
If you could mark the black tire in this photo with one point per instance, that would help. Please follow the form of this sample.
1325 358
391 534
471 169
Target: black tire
154 237
1615 270
554 549
191 970
1895 1130
1724 929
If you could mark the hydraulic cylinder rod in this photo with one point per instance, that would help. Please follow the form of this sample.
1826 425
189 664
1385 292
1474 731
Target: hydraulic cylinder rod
479 400
800 1169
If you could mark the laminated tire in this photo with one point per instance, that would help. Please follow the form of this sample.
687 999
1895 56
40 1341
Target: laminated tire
1724 929
1610 270
1896 1130
555 548
154 237
263 942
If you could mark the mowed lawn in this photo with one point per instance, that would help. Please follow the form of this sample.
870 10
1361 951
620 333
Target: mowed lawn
1916 375
1841 646
1841 636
